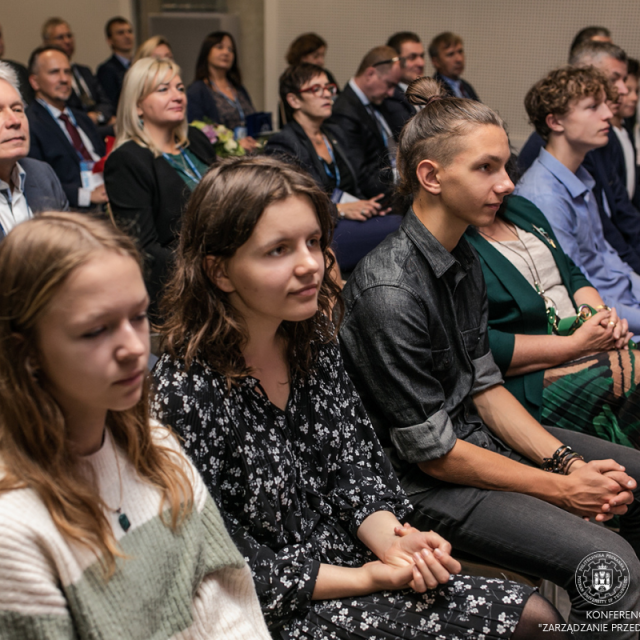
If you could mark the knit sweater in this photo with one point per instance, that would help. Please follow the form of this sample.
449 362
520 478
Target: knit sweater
190 584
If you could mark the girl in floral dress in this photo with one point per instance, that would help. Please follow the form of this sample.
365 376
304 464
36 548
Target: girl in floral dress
253 380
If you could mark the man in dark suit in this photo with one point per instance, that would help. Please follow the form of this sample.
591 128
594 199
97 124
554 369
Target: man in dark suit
620 219
86 93
368 135
21 71
26 186
397 109
447 57
111 72
63 137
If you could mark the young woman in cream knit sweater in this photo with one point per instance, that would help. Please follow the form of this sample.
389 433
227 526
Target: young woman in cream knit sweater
106 530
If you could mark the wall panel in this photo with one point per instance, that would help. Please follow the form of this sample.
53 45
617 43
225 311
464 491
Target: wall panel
509 44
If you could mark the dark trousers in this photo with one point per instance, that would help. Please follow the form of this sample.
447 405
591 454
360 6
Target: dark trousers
533 537
352 239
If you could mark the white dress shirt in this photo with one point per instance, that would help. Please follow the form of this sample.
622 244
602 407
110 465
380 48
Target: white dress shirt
389 140
84 195
13 204
629 159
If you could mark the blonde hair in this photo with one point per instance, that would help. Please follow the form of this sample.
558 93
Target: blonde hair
36 259
146 49
142 79
50 24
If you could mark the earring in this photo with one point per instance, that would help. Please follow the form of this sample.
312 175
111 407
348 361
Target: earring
32 368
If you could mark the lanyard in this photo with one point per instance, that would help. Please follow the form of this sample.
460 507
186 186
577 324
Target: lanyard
196 177
333 159
234 103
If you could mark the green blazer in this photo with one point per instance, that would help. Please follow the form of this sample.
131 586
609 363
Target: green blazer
514 305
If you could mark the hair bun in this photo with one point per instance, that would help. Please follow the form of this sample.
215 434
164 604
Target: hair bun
424 91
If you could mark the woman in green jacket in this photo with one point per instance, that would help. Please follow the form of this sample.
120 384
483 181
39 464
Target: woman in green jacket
586 381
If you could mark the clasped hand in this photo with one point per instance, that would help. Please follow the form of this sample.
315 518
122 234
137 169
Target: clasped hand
598 489
423 558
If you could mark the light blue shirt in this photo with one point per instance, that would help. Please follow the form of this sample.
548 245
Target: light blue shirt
455 86
568 202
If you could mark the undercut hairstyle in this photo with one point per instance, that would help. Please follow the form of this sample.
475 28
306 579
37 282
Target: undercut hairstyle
8 74
202 63
36 259
398 39
633 67
586 34
36 53
443 41
113 22
379 57
142 79
591 51
556 92
200 321
437 132
293 79
145 50
51 23
302 46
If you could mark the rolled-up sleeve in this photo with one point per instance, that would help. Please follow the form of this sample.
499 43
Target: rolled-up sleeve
387 350
431 439
487 373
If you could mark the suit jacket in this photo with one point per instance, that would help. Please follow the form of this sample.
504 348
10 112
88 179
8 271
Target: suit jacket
368 152
102 103
147 198
397 110
110 77
23 79
50 144
620 169
293 145
201 105
622 229
464 85
514 305
42 188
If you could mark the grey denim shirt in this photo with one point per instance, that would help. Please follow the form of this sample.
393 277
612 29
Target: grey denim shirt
415 343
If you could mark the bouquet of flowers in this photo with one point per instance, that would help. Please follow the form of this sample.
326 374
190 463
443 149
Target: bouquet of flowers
220 137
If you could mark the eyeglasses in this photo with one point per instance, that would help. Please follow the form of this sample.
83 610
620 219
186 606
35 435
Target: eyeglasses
319 89
389 61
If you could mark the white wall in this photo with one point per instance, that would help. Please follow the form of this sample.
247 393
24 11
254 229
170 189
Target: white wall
22 21
509 44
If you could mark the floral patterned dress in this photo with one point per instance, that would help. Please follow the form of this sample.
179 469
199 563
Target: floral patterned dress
295 485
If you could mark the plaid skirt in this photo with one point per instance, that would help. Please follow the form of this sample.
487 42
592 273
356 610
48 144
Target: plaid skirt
597 395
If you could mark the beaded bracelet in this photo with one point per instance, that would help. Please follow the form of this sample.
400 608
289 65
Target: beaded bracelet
562 459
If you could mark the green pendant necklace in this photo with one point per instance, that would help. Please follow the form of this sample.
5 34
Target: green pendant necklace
123 520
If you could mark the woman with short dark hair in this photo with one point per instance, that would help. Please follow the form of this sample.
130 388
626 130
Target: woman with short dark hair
320 148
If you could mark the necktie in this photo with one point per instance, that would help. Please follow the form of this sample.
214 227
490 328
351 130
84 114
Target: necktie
75 138
381 130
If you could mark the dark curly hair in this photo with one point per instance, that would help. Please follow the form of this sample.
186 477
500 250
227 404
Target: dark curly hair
201 323
558 89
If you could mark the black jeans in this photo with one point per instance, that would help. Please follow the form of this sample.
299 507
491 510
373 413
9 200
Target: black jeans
533 537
